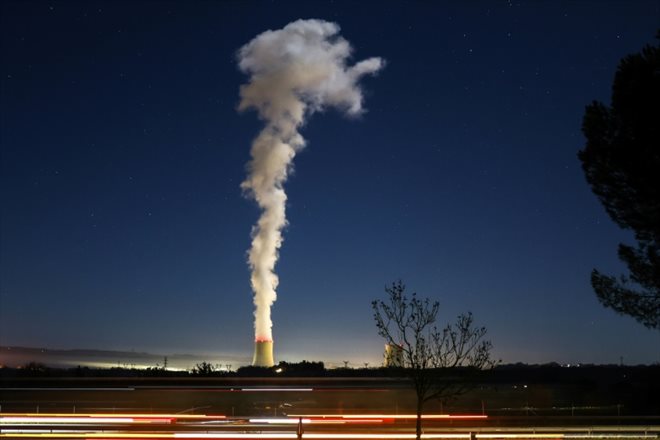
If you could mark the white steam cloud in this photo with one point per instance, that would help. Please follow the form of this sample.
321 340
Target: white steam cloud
294 72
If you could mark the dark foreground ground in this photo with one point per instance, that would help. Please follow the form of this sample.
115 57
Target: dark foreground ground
615 404
613 393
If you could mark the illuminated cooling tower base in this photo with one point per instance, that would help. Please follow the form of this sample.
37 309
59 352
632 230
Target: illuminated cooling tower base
263 354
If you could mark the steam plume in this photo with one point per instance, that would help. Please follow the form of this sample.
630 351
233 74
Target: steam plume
294 72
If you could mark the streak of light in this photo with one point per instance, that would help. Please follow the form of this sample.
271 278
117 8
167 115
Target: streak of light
413 416
276 389
280 420
292 421
69 389
111 436
24 431
324 436
608 436
527 435
39 416
105 436
392 436
218 435
64 420
343 436
391 416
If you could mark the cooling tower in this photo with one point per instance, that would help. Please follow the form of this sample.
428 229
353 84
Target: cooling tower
393 355
263 354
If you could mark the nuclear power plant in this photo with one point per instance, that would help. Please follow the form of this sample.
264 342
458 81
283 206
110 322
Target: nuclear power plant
294 51
263 354
393 356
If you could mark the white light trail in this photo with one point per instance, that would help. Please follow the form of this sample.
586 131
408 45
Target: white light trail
67 389
391 416
63 420
280 421
277 389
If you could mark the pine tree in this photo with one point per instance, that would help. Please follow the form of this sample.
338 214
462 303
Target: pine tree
621 161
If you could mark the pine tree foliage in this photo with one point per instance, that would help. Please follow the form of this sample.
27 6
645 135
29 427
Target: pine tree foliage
621 161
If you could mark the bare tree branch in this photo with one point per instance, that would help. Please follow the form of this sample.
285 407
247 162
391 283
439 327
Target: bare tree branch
437 361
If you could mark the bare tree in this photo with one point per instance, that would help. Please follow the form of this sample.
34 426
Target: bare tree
203 369
436 360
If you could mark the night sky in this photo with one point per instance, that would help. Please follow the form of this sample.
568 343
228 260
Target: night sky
124 227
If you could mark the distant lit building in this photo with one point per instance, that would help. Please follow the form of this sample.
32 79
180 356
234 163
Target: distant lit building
393 355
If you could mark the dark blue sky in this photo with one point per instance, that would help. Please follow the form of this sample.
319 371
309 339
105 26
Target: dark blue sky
124 227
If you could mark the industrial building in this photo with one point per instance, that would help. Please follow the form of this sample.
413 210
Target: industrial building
393 356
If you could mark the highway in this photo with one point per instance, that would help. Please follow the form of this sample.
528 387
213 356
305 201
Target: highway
285 409
316 426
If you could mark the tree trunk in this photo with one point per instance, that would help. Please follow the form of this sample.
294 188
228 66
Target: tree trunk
418 427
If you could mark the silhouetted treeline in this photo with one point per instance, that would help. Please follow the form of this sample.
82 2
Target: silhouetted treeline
285 369
35 369
505 374
583 374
